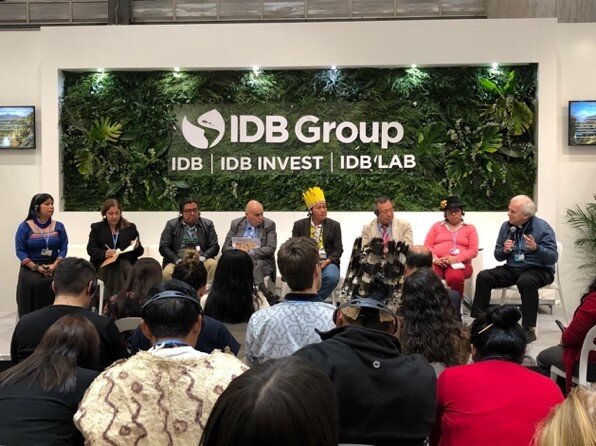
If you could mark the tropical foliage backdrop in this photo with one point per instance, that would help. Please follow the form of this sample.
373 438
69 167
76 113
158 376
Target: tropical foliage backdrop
471 129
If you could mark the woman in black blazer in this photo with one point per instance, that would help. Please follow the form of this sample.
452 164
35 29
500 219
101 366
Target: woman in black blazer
106 237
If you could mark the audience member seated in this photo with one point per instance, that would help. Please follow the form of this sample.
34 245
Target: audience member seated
385 397
454 243
233 297
41 244
566 355
428 325
191 276
260 242
284 328
571 423
145 274
39 396
189 231
284 401
494 401
421 257
107 239
166 394
75 281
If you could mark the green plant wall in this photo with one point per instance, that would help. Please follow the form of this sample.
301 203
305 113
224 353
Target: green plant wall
471 129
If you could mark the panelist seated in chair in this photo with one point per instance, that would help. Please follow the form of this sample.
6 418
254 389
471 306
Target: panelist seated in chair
256 235
453 243
565 356
113 236
528 245
386 226
189 231
327 235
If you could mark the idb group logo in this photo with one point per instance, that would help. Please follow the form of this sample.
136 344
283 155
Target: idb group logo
195 135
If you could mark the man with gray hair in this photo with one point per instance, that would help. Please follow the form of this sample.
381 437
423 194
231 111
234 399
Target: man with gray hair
528 245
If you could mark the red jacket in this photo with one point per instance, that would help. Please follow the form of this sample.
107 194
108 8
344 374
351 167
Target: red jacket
573 337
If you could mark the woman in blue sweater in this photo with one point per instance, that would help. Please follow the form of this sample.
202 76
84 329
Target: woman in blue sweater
41 244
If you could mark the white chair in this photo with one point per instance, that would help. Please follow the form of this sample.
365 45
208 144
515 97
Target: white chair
127 323
587 347
542 300
101 291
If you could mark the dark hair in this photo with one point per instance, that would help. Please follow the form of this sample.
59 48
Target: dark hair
284 401
297 259
591 289
369 318
172 318
232 296
73 275
188 200
110 203
145 273
429 324
36 201
421 259
380 200
70 342
191 270
504 339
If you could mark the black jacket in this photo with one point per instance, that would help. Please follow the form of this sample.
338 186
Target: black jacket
331 237
172 235
101 235
385 397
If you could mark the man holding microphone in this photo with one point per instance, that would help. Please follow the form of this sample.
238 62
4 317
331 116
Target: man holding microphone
528 245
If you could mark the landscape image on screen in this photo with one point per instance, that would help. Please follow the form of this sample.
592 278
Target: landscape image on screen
17 127
582 123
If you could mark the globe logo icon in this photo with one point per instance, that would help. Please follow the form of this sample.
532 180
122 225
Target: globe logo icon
196 135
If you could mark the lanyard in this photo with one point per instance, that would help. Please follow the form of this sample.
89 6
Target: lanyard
519 239
454 234
115 239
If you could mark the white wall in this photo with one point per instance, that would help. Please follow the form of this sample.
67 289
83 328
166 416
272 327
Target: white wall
20 171
565 54
576 51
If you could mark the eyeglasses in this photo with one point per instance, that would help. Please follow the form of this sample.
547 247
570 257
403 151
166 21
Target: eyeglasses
386 211
191 211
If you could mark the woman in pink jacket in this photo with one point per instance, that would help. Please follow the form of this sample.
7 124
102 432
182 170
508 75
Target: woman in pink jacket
454 244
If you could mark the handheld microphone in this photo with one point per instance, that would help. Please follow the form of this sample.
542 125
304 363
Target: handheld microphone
512 231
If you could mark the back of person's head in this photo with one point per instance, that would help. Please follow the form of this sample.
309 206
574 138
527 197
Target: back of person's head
571 423
191 270
232 295
284 401
419 257
497 334
171 310
73 276
367 313
429 324
144 274
297 259
70 342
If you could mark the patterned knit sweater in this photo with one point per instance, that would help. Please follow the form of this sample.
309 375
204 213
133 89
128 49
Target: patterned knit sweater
160 397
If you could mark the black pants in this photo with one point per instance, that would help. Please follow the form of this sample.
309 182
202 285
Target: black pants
528 282
554 356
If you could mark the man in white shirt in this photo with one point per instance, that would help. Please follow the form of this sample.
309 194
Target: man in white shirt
284 328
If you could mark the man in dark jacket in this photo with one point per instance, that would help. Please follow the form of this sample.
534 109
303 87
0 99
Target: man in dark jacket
384 396
327 235
189 231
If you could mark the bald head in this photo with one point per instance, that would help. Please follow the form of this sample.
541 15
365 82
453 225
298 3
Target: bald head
254 213
418 257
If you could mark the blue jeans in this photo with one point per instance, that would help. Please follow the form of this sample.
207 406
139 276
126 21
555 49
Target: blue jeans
330 278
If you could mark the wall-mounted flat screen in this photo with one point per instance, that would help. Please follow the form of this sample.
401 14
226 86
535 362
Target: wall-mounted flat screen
582 123
17 127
